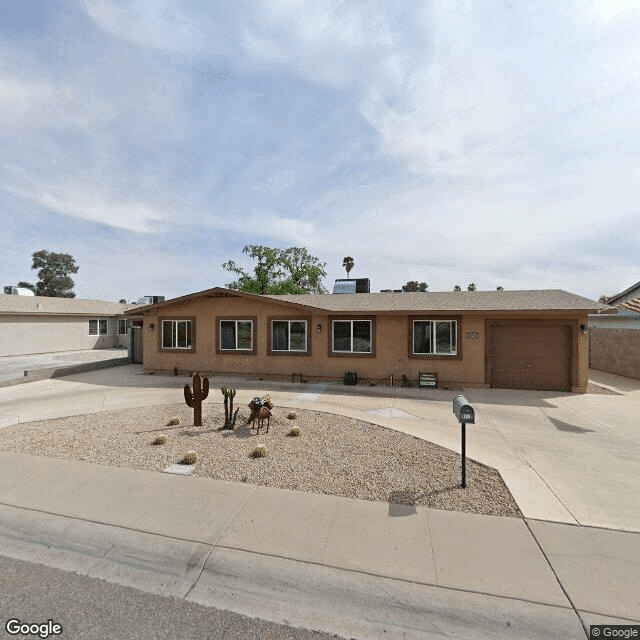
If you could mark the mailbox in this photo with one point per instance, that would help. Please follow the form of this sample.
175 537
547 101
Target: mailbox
465 413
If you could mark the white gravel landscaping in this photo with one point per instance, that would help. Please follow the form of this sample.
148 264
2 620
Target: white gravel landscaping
333 455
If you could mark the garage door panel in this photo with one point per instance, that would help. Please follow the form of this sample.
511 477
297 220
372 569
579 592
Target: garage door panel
528 357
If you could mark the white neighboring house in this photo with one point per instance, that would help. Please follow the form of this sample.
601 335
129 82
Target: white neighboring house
39 324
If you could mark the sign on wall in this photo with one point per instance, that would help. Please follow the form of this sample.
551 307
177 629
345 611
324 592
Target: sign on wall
473 335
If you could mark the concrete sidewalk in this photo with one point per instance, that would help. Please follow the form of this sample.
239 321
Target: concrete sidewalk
287 552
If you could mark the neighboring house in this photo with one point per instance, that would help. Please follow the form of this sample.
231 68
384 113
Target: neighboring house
614 338
507 339
632 293
39 324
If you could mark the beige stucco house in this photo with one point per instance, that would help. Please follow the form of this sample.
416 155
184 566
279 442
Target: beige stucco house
39 324
506 339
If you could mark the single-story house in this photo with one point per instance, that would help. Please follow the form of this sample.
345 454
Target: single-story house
506 339
40 324
614 337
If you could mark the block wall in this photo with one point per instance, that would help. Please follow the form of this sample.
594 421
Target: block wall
615 351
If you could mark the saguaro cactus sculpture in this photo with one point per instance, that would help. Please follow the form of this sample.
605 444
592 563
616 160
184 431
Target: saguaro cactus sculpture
229 415
194 399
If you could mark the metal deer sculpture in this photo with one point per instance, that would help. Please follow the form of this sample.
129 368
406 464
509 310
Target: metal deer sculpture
194 398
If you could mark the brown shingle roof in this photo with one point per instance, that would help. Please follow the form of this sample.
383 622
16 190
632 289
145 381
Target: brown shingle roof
439 301
448 301
27 305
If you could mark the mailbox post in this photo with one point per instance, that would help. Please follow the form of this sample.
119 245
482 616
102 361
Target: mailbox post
465 415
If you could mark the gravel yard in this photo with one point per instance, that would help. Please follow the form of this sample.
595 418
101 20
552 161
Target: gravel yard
334 454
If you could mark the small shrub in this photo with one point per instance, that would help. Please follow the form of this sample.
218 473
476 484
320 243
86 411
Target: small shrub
292 415
173 421
295 431
260 451
161 439
191 457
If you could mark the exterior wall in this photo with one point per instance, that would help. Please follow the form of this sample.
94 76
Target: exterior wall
25 334
615 351
391 345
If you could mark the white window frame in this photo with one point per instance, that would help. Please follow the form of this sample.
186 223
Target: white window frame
127 326
99 323
306 337
236 347
174 334
453 331
333 343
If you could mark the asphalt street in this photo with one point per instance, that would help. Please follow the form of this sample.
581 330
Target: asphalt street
90 608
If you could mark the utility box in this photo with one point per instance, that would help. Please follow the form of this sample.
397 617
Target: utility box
347 285
465 413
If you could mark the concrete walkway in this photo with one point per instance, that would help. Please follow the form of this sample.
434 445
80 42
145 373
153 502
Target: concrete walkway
40 366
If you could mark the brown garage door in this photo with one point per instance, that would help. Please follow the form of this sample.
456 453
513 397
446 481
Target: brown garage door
531 357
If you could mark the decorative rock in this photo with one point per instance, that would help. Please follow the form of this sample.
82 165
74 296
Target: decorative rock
161 439
295 431
260 451
191 457
173 421
292 415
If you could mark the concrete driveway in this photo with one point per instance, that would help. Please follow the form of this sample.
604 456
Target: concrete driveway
566 458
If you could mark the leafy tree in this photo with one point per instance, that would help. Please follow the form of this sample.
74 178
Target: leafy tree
278 271
122 301
53 274
471 287
603 298
27 285
457 288
414 285
499 288
348 263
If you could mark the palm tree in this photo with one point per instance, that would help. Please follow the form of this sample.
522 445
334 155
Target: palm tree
499 288
471 287
348 264
457 288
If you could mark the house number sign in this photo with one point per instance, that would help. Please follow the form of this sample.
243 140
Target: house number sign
473 335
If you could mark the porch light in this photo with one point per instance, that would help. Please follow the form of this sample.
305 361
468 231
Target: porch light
319 328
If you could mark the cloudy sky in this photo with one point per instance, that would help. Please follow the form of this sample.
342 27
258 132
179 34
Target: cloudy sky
447 141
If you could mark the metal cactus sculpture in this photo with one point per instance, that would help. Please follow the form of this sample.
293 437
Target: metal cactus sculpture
194 399
229 415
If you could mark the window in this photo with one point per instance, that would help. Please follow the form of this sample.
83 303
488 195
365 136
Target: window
123 326
236 335
177 334
435 337
98 327
289 335
352 336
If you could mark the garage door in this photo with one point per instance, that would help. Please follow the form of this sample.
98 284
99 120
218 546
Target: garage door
531 357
